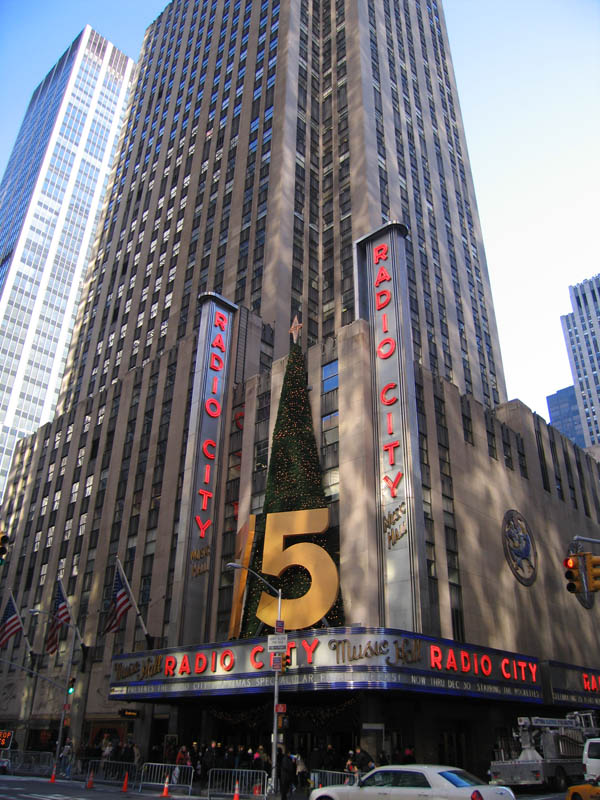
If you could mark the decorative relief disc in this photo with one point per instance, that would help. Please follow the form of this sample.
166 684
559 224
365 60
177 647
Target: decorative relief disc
519 547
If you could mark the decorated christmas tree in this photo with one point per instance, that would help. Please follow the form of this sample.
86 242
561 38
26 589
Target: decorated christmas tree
294 483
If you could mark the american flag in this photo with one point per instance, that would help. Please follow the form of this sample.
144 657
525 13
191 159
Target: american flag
10 622
119 604
60 615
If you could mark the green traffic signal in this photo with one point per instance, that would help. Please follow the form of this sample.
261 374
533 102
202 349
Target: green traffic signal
71 687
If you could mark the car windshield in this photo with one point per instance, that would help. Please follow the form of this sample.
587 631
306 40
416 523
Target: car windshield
458 777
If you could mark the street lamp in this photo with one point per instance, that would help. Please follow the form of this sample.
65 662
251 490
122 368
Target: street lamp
68 684
235 565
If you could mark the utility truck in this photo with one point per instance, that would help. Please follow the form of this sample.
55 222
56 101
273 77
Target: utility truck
544 751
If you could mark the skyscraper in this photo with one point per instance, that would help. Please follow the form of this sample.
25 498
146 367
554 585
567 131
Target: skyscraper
300 160
50 200
581 329
564 414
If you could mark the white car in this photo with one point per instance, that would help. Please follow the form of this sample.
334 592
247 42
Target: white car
415 782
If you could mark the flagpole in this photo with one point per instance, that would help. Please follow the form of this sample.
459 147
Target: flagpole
65 702
20 620
29 694
71 617
135 605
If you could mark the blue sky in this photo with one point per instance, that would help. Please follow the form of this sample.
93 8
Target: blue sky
528 74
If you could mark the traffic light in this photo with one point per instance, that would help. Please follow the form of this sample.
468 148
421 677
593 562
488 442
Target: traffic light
592 568
286 661
71 687
3 547
575 564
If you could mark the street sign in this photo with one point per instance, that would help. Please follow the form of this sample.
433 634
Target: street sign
276 663
281 708
279 626
277 642
67 707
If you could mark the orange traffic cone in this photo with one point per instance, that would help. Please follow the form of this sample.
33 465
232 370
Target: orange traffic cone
125 782
53 776
236 794
90 781
165 791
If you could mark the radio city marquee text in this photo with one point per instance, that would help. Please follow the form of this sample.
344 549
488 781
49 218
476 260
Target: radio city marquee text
591 682
388 399
213 407
386 348
435 658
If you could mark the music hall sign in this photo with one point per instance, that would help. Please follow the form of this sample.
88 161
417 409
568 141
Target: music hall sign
334 658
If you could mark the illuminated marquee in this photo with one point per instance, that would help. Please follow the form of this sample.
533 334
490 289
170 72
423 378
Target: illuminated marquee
332 658
382 299
219 332
207 420
574 686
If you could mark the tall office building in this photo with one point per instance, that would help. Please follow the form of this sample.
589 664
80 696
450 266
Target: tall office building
302 159
581 329
50 200
564 414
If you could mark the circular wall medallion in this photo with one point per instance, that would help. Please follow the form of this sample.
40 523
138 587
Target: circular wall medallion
519 547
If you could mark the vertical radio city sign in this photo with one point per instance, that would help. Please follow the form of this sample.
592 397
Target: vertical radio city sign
381 278
205 443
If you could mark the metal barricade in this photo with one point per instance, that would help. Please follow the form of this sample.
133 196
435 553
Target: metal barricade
248 782
153 774
106 771
330 778
28 762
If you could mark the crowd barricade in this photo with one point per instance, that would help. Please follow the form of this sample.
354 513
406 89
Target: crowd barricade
28 762
106 771
248 782
153 774
331 778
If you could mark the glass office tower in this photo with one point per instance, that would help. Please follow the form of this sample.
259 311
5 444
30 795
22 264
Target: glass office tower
50 200
564 414
581 329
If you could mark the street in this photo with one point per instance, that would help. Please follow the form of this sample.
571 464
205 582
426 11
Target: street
16 787
26 788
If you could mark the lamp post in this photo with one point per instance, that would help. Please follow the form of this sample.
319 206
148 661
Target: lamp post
35 612
235 565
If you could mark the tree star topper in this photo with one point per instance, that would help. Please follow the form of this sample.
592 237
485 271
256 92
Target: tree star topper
295 329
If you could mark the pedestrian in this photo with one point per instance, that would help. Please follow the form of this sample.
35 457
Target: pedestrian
265 761
363 759
66 756
209 760
408 757
287 773
330 759
315 764
350 768
127 752
301 772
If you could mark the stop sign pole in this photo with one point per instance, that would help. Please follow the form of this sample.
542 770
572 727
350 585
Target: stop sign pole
279 627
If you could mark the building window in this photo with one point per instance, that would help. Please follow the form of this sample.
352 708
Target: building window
491 434
506 446
329 376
